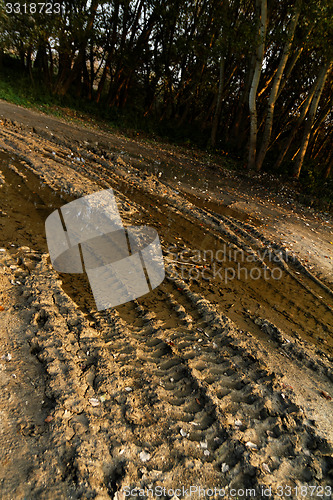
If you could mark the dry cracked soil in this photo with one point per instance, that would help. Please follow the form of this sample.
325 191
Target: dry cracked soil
216 384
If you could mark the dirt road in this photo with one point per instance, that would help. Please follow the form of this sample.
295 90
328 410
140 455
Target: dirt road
220 378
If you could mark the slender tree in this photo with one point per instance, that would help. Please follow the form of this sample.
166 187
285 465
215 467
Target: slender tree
262 22
324 72
275 87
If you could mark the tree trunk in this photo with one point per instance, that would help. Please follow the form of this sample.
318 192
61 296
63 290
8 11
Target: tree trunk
218 104
328 168
317 141
292 64
275 88
312 113
41 62
262 5
296 126
237 127
110 52
76 72
29 64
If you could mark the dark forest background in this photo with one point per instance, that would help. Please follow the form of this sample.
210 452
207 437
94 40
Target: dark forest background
247 78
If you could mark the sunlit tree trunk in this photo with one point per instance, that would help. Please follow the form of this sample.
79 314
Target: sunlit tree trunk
261 6
275 88
296 126
312 113
290 68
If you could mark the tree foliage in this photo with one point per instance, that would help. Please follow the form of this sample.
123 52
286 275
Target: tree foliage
257 88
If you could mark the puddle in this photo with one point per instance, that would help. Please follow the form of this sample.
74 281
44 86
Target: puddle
25 203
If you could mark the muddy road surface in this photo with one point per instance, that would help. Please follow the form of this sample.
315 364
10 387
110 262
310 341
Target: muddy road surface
220 378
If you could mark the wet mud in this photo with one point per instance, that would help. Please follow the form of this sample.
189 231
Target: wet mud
214 378
227 275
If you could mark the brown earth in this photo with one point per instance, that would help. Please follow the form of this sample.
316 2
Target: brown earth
220 378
